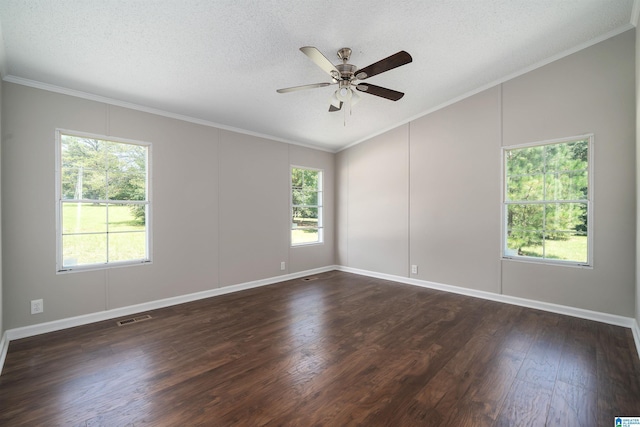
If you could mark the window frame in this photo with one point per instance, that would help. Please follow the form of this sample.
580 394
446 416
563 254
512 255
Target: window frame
319 206
589 203
59 201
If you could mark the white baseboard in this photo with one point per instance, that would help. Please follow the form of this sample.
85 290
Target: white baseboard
612 319
635 329
56 325
4 347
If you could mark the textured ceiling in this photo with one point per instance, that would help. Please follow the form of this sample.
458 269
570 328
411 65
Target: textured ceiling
220 61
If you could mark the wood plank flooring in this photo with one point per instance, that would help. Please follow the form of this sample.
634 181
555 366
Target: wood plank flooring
337 351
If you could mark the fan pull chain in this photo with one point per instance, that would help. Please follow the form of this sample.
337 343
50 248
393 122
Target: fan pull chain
345 114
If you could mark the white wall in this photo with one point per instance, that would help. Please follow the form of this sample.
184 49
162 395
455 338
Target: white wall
220 208
453 187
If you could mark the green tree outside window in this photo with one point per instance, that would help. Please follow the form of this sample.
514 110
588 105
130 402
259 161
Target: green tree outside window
103 201
547 201
306 206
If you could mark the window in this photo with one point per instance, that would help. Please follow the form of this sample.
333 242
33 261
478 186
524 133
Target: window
103 206
547 201
306 206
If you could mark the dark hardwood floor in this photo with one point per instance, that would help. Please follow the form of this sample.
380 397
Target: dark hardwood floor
336 351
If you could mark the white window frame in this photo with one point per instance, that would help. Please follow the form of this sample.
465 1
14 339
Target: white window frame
319 206
589 202
60 268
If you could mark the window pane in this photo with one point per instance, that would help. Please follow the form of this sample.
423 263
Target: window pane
567 246
98 170
525 217
563 217
306 209
525 243
82 152
127 171
549 173
84 249
300 236
567 185
83 168
305 217
310 179
305 197
127 246
525 187
570 156
525 161
84 218
83 183
296 177
126 217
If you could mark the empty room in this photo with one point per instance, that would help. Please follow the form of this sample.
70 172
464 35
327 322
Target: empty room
243 213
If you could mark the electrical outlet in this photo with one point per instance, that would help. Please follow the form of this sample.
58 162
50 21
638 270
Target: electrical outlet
37 306
283 266
414 269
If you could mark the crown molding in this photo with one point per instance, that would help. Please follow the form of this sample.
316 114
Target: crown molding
137 107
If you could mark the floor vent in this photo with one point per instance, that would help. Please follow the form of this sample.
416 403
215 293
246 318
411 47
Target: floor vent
133 320
308 279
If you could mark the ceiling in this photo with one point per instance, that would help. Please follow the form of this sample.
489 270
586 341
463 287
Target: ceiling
220 62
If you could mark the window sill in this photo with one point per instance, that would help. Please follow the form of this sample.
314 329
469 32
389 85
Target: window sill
530 260
95 267
304 245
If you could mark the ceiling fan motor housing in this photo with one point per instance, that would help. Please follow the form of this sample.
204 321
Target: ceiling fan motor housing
346 71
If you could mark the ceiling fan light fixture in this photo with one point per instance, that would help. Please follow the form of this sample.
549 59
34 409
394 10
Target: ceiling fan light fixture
334 100
344 93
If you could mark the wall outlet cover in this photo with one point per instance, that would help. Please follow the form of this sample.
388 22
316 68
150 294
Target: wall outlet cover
37 306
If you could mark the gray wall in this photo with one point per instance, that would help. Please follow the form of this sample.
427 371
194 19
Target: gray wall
450 183
373 187
637 56
455 193
220 208
2 323
590 91
425 193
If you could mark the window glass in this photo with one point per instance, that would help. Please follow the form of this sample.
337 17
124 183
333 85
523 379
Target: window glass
103 205
547 202
306 206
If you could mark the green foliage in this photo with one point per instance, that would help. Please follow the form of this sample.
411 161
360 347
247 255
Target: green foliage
85 227
306 196
94 169
547 189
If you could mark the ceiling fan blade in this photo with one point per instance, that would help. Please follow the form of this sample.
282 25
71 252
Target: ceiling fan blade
321 61
333 108
303 87
383 92
386 64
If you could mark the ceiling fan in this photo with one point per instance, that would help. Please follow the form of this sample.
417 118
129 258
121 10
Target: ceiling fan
347 77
